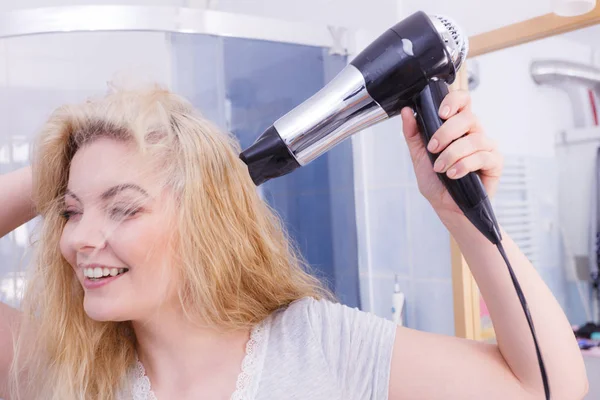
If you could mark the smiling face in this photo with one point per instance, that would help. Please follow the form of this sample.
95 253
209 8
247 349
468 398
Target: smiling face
118 232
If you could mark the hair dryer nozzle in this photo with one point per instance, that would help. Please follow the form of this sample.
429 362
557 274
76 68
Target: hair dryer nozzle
456 41
268 157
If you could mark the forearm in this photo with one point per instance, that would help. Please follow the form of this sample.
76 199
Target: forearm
16 206
562 358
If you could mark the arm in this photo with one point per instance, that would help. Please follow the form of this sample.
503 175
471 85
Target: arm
464 369
428 366
16 209
15 197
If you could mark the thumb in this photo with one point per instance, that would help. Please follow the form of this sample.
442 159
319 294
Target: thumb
411 134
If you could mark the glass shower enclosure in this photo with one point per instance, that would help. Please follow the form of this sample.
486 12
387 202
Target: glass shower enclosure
241 72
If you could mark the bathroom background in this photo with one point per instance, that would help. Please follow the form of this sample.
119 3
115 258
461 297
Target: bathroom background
356 213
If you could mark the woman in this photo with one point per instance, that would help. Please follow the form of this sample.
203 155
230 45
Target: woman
160 274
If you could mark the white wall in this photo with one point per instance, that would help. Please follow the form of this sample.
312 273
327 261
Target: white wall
524 117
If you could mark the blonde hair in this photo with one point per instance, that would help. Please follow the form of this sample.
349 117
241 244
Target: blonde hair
236 261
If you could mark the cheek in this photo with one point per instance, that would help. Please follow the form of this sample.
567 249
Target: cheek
140 243
144 248
66 249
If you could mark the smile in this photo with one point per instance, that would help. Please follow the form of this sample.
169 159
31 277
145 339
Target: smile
99 276
98 273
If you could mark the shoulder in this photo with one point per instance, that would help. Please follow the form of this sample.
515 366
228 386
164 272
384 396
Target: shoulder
308 310
327 318
340 346
302 318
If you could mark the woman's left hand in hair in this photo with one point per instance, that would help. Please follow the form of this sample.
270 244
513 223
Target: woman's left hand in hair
462 147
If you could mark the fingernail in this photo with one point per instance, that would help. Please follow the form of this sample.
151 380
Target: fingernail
452 172
433 144
439 166
445 111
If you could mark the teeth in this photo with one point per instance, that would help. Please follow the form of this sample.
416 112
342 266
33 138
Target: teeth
100 272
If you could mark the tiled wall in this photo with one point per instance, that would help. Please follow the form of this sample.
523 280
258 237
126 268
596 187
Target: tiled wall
554 266
552 263
399 234
524 119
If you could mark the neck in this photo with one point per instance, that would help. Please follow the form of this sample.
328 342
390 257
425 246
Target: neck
177 352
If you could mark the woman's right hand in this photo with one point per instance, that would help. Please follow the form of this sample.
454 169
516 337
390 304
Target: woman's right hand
16 209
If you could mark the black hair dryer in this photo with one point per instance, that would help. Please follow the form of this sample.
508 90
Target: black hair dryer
410 64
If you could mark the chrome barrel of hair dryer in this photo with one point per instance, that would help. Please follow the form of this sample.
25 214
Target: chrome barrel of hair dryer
411 64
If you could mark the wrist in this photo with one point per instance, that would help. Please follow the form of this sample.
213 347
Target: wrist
452 219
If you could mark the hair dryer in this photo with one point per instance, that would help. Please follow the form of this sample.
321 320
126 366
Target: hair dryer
408 65
411 64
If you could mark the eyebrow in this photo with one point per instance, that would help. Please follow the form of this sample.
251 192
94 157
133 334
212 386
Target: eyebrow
113 191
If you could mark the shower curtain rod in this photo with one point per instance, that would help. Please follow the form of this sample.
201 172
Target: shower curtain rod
111 18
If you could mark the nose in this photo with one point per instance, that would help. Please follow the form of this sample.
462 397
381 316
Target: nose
88 234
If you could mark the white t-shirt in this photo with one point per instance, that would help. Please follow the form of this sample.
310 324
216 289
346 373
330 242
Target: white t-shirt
313 350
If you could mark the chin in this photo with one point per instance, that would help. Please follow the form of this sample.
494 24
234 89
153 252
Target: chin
102 311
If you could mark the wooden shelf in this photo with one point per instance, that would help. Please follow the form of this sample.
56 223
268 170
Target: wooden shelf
527 31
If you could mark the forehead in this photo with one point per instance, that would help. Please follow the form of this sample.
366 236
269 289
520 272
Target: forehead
105 163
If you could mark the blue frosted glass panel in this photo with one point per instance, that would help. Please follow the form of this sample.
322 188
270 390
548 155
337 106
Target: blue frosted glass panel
198 74
264 80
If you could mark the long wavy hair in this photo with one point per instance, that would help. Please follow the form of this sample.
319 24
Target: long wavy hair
235 259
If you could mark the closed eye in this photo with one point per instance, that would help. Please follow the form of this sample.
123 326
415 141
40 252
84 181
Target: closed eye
124 212
68 214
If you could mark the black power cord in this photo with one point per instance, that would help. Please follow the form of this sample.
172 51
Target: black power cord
523 301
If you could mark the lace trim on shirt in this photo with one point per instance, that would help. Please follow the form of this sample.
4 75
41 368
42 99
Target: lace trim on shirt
250 365
246 381
141 389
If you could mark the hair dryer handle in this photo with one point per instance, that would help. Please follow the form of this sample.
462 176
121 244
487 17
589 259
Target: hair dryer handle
468 192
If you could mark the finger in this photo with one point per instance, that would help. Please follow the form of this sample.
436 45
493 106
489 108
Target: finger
411 133
409 123
462 148
489 163
454 102
452 129
416 146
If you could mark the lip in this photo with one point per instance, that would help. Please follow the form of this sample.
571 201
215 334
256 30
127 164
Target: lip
93 284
